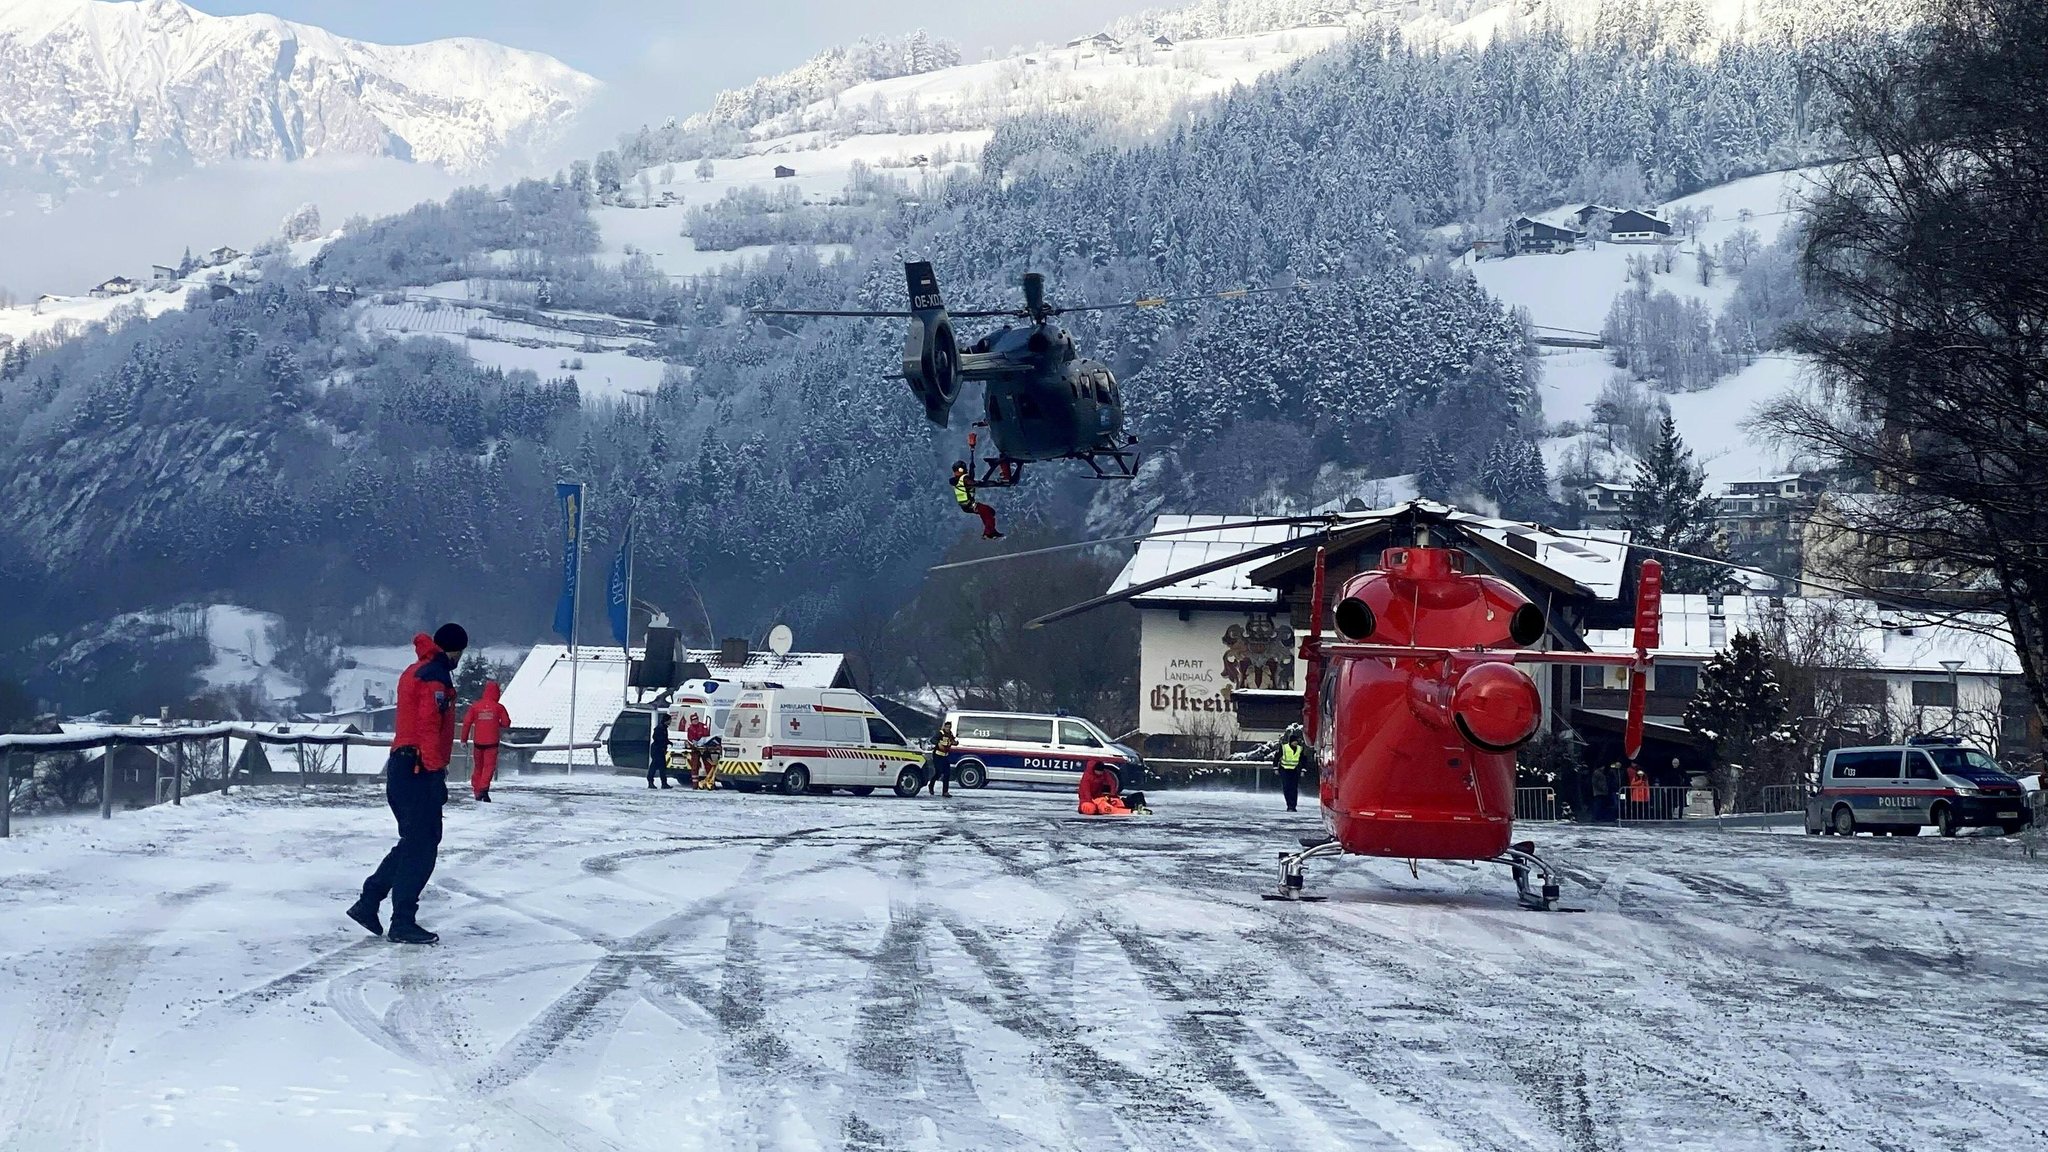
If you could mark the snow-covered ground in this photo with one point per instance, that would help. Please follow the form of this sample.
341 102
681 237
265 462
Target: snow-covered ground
549 353
622 969
1571 292
373 670
74 314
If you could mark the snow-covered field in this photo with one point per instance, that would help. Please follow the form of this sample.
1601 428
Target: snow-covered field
624 969
548 353
1573 291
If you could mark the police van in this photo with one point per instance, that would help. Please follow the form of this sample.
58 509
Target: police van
809 739
1034 748
1897 789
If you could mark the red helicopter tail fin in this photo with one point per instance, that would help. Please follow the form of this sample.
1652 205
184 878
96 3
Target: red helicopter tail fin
1649 621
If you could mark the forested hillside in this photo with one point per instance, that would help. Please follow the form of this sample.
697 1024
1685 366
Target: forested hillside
262 448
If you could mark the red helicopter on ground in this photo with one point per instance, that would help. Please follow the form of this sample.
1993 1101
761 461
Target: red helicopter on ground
1416 709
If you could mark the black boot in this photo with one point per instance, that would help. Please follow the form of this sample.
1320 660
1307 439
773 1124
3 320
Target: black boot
408 932
486 797
365 913
650 783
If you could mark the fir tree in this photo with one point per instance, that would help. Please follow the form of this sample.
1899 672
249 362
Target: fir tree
1740 712
1436 468
1670 508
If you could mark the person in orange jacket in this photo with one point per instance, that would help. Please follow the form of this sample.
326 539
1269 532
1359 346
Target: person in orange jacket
694 734
1099 793
486 719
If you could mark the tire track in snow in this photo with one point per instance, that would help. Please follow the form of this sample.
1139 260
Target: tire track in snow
55 1068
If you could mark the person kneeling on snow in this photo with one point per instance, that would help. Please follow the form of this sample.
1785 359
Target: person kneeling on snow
1101 794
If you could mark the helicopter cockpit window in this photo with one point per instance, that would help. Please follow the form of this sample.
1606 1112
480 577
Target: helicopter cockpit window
995 413
1102 387
1027 408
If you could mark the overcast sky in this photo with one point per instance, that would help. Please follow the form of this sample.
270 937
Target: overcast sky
690 48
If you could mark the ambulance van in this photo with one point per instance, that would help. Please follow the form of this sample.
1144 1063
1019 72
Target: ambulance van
815 739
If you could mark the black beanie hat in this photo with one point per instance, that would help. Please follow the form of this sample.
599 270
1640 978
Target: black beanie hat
451 638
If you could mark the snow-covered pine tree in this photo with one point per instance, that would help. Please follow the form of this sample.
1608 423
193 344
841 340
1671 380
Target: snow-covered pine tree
1740 711
1436 468
1670 508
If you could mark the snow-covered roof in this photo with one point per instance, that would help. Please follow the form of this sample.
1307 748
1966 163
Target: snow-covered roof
538 696
1157 558
1596 559
1890 641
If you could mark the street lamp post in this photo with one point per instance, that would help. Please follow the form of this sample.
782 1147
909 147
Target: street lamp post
1955 696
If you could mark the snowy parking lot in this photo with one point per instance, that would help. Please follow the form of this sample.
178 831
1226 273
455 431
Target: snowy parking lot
625 969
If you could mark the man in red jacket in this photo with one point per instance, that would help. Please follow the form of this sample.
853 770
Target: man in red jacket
416 786
484 721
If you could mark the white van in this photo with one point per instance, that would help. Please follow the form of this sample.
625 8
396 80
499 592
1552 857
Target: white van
1035 748
804 739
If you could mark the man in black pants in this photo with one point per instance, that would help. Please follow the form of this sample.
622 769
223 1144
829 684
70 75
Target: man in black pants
416 786
657 749
1287 758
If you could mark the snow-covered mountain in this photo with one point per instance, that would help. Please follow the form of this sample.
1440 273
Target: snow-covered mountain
89 88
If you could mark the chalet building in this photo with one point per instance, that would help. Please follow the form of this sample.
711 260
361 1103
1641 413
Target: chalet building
1101 40
222 255
162 273
1527 235
1636 228
784 172
1219 665
1764 521
118 286
1606 504
1900 675
1162 42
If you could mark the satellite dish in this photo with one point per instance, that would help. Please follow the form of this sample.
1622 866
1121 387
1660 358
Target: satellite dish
780 638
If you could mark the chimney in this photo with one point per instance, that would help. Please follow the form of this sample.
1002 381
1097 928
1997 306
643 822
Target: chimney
732 652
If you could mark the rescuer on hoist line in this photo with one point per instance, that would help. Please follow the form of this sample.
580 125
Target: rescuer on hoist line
963 494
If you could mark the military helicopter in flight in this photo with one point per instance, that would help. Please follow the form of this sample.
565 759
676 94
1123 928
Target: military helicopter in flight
1042 401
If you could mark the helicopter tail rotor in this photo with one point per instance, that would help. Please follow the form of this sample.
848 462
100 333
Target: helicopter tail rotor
931 356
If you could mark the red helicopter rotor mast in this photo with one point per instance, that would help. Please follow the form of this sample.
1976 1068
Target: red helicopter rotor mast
1649 613
1312 651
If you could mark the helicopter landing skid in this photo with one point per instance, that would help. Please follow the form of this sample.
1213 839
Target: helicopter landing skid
1522 859
1540 895
1112 464
1290 870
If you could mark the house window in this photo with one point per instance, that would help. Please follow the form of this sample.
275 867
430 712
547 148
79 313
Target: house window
1863 692
1934 694
1678 679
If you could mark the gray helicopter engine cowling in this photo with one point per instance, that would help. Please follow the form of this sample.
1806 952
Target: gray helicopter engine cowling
931 357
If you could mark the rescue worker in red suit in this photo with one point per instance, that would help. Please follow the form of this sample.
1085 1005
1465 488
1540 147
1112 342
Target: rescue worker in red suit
963 495
1099 793
694 735
416 786
481 727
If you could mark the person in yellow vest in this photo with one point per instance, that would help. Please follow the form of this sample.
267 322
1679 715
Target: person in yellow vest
963 495
1288 757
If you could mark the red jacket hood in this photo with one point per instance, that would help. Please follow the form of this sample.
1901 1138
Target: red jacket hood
423 645
490 691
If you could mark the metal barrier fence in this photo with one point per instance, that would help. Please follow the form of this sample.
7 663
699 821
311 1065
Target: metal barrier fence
1778 798
187 769
1219 776
1536 804
1658 802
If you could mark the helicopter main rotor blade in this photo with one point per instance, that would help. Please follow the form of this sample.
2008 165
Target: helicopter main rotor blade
825 312
978 315
1277 520
1163 301
1136 590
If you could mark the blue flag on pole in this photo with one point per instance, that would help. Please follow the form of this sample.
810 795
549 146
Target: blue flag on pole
619 591
571 496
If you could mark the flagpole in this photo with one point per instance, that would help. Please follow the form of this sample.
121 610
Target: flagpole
575 610
625 690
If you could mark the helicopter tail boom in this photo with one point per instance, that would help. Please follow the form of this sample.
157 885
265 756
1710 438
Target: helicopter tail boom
931 356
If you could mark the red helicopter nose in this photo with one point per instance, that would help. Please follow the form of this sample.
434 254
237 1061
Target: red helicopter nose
1496 707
